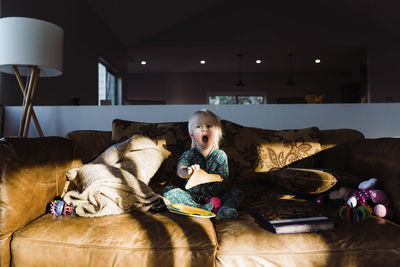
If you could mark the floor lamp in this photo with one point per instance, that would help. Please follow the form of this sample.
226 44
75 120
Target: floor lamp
33 48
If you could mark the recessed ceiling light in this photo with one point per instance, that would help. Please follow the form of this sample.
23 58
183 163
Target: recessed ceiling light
202 62
258 61
143 62
317 60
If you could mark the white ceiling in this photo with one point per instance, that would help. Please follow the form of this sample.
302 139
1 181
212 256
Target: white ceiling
174 35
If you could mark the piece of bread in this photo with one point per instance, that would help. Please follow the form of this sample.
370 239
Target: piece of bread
202 177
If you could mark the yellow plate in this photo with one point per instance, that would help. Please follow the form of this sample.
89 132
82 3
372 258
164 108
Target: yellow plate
190 211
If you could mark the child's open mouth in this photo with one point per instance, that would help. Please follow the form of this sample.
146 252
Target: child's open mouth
205 138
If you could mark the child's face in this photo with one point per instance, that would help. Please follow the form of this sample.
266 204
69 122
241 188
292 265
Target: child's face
204 132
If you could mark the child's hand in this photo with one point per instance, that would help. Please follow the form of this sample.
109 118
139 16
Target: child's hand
186 172
193 168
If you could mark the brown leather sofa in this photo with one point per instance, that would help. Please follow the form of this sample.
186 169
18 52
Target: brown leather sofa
33 174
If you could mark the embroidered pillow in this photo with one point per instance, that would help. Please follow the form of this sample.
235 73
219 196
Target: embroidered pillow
253 150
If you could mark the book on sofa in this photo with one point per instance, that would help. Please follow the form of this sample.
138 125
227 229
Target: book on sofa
292 219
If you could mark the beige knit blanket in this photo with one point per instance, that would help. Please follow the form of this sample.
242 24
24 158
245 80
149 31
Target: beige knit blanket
116 181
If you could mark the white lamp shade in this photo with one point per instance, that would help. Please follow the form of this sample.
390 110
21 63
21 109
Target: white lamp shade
26 42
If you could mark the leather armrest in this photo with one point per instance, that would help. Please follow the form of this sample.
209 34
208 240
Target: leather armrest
379 158
32 173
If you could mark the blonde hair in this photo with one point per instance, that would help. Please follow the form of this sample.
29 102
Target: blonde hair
205 114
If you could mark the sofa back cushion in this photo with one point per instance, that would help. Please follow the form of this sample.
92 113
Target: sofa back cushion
88 144
250 150
253 150
333 137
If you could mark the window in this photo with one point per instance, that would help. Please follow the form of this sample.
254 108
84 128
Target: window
250 100
220 100
109 84
236 99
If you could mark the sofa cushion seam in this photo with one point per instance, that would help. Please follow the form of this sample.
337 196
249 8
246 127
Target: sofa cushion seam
24 239
326 251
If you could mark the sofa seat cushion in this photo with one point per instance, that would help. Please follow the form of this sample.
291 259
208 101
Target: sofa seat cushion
135 239
242 242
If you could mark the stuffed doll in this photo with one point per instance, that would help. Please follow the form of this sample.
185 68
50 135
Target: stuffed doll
367 194
361 197
362 194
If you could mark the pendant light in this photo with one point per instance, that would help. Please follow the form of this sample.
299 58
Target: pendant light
240 82
290 82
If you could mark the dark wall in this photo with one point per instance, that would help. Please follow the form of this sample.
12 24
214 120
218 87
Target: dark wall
194 88
85 39
287 22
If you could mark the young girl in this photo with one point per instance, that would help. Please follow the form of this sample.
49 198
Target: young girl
205 132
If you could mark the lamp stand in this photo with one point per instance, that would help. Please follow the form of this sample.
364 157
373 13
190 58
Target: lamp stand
29 96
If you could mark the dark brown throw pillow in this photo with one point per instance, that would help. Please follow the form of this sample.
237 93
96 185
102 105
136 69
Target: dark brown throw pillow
345 179
312 181
303 181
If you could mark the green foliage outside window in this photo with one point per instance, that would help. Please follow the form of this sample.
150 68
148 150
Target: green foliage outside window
230 99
